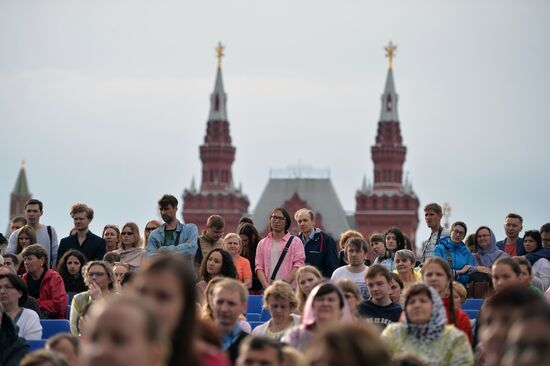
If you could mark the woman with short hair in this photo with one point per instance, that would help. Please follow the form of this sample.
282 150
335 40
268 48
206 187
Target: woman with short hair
13 294
100 279
404 263
45 285
423 332
232 243
281 302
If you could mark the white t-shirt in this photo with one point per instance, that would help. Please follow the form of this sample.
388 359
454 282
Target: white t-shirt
29 325
342 273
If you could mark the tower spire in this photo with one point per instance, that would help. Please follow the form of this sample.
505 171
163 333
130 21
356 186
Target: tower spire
21 186
389 99
218 98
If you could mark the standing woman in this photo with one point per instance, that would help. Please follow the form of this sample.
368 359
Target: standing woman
45 285
233 245
70 269
111 235
281 302
404 262
100 279
13 294
26 237
436 272
325 307
217 262
307 278
424 334
394 240
532 241
250 239
130 250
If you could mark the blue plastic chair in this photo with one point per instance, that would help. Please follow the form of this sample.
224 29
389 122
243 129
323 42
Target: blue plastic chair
472 313
51 327
472 304
68 312
265 316
255 324
35 344
255 304
252 317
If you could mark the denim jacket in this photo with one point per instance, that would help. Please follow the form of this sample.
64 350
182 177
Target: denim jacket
187 242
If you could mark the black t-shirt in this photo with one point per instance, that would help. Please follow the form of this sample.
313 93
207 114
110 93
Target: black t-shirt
380 315
34 285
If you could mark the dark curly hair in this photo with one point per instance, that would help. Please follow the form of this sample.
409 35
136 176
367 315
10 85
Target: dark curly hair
228 267
62 265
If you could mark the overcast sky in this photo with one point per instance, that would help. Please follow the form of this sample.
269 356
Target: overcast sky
107 101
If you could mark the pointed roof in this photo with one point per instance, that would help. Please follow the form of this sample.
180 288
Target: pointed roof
218 100
389 100
21 186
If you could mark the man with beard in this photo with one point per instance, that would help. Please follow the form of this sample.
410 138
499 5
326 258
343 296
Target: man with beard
173 235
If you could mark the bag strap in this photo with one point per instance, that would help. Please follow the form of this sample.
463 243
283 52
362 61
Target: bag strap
436 241
281 258
49 228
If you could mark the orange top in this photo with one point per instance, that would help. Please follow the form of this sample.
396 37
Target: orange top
244 271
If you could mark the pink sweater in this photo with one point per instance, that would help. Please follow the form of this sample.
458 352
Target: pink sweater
294 258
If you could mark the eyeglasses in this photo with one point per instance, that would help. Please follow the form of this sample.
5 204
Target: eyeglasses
278 218
459 233
6 287
96 274
126 233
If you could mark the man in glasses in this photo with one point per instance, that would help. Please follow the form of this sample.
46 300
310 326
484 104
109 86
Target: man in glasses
91 245
173 235
279 254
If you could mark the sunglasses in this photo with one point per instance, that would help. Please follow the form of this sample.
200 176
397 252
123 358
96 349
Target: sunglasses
126 233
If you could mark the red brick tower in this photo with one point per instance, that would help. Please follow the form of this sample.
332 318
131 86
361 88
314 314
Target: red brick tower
20 195
217 194
388 202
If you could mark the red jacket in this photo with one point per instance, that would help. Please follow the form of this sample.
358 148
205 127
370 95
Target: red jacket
462 320
52 295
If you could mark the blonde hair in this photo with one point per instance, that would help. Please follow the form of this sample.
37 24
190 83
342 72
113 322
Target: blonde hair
207 312
135 230
300 295
282 290
233 235
233 285
461 291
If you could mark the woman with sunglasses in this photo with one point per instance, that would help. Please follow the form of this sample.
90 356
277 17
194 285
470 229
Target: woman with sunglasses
131 251
100 279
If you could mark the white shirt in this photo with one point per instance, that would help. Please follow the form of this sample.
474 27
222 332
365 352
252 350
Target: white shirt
342 273
29 325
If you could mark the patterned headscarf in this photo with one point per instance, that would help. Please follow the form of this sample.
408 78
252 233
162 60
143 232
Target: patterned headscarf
433 329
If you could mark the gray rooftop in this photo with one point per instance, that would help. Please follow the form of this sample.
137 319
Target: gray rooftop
218 100
389 99
317 192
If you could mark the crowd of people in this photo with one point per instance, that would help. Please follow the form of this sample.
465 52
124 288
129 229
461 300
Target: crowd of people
171 296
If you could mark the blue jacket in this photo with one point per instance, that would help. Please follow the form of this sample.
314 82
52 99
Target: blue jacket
321 252
460 256
186 245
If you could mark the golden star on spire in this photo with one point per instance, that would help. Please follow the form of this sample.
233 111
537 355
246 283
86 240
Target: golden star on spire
219 53
390 51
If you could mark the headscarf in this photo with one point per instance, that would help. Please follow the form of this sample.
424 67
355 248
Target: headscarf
308 319
487 256
433 329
